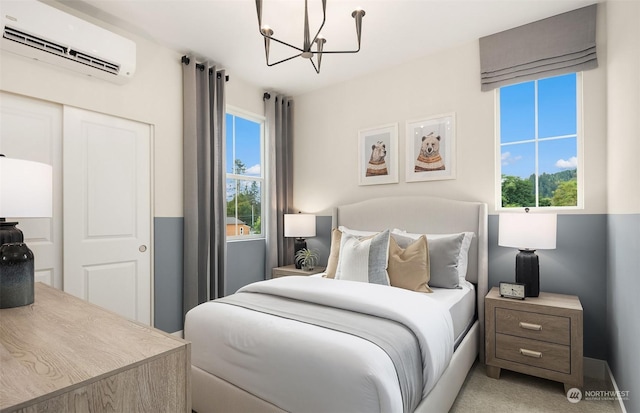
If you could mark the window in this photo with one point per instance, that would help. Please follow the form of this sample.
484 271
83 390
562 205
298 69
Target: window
540 143
245 174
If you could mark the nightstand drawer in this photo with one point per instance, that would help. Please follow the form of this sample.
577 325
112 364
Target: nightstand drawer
535 353
554 329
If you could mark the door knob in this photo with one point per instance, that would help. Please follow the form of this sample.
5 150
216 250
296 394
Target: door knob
142 248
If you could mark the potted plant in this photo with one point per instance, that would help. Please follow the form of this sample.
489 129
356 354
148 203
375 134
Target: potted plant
306 258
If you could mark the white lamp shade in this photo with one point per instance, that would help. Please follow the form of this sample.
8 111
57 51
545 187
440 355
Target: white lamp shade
299 225
527 231
26 189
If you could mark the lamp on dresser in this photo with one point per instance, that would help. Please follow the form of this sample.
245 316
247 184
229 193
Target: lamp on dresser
528 232
25 192
299 226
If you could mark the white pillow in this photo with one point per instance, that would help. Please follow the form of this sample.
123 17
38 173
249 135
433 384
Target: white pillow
364 260
462 261
356 232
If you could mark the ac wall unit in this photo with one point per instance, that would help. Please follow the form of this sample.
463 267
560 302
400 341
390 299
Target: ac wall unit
41 32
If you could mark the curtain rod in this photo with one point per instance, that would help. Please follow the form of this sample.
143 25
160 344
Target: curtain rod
186 60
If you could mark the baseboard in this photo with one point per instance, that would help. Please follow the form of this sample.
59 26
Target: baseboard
595 368
178 333
599 369
620 404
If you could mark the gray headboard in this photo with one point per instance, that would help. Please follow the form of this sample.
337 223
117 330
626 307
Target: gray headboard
427 215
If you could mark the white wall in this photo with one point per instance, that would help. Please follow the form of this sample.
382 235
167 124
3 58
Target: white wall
327 123
623 129
153 96
623 238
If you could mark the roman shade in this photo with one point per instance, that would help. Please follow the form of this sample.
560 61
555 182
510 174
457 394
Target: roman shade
557 45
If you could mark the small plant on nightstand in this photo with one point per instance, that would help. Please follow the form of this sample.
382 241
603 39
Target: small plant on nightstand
307 258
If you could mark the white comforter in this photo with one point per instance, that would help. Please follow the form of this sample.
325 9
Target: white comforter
303 368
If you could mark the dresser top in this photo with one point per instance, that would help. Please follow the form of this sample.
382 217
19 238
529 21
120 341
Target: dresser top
61 341
570 302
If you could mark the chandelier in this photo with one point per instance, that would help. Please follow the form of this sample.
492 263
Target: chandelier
308 42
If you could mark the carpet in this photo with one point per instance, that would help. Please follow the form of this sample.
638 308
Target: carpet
520 393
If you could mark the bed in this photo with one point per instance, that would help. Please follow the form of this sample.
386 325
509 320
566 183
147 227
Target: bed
269 362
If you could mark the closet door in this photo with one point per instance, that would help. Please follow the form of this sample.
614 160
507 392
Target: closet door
107 212
31 129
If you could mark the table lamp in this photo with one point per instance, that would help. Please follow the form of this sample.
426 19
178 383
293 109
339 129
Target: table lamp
299 226
528 232
25 192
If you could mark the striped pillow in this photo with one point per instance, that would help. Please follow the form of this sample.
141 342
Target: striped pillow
364 260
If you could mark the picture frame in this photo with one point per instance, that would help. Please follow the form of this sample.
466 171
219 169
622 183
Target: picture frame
431 148
378 155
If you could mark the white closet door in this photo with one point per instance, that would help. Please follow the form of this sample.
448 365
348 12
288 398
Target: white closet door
31 129
107 212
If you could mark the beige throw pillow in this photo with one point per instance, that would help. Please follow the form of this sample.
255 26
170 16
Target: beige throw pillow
409 267
334 253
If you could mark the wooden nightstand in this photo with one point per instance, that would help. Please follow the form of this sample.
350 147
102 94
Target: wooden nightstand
540 336
292 270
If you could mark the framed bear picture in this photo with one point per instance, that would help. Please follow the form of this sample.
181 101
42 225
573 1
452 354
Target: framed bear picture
431 148
378 155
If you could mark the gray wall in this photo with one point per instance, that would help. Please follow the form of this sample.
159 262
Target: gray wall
168 258
623 304
577 266
245 264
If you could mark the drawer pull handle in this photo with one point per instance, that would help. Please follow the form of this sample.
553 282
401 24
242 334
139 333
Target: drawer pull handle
528 326
531 353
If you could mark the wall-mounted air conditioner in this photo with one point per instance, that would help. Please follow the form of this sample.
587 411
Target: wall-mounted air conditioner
38 31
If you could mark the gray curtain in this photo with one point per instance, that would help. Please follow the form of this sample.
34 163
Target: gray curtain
279 130
561 44
204 183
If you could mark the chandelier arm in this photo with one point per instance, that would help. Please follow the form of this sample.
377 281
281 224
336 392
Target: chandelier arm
314 66
281 42
283 60
324 19
337 51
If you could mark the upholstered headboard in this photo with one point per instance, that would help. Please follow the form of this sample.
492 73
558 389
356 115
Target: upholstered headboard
427 215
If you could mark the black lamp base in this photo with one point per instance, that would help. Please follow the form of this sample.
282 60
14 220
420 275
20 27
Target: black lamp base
299 243
528 272
16 275
9 232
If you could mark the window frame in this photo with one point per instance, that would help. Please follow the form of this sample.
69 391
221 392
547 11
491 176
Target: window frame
536 140
241 113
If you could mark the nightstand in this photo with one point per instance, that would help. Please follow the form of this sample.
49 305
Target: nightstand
540 336
292 270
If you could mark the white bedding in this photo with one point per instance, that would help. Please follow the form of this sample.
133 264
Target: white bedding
247 348
461 303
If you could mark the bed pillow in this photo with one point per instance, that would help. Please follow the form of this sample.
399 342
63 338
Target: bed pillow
409 266
357 232
334 253
463 253
443 255
364 260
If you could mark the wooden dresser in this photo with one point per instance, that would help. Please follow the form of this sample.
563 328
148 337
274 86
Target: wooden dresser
62 354
540 336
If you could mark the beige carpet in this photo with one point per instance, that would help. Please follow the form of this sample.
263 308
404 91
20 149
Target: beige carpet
519 393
